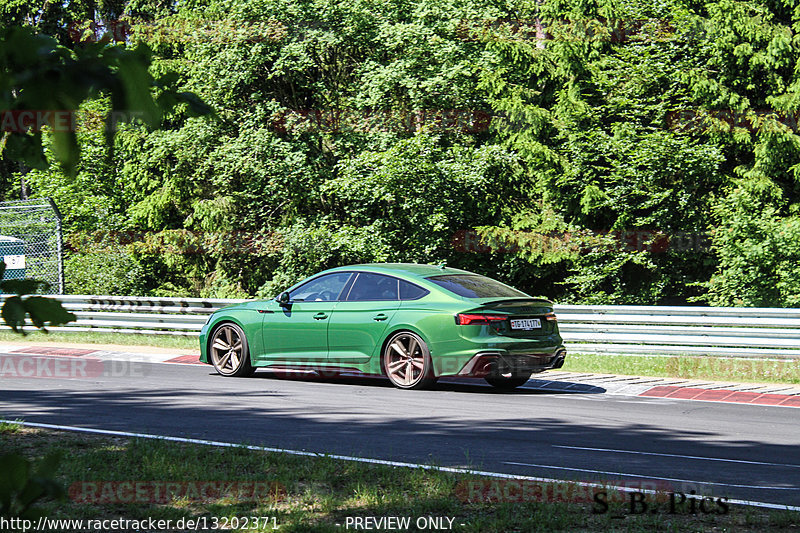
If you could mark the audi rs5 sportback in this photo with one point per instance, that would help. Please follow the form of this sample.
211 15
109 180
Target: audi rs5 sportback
412 323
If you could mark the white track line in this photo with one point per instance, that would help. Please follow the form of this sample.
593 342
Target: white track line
647 476
612 450
375 461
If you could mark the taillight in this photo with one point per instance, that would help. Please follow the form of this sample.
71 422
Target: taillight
551 317
464 319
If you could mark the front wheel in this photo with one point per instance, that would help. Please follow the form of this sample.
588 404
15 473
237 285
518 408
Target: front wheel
230 354
507 383
407 361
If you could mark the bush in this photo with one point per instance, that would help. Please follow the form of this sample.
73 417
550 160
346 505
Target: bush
104 273
759 252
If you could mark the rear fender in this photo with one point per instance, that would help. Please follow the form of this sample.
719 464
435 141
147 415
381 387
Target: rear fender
376 361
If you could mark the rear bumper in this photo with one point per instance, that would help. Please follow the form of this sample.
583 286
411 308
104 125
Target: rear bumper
496 363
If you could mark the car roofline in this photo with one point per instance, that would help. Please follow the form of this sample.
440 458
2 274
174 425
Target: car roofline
409 270
412 272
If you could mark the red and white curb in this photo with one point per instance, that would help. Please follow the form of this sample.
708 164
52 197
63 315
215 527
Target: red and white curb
674 389
723 395
138 357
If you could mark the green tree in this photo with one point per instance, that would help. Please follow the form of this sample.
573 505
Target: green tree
332 144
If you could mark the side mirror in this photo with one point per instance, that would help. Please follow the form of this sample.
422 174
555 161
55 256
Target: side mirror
283 299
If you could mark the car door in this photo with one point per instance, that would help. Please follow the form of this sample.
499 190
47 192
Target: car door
360 318
298 332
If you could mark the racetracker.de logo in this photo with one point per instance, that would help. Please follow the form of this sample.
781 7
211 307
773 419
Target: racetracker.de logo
64 120
524 490
61 367
28 366
101 492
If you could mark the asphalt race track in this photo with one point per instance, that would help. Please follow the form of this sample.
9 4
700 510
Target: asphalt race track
749 452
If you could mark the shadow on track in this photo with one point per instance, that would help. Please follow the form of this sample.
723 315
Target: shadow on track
457 423
465 385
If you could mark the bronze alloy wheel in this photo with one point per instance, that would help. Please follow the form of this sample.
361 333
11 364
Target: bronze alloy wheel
229 352
407 361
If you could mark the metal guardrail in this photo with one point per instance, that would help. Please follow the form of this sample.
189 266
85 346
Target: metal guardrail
133 314
654 330
609 329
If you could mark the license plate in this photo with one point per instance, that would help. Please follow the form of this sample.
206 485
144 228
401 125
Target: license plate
526 323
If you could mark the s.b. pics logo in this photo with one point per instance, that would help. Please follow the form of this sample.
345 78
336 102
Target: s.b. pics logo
638 503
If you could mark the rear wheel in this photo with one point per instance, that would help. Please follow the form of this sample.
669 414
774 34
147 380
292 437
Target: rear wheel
407 361
508 382
229 351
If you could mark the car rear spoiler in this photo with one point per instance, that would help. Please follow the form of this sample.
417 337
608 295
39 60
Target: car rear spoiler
517 302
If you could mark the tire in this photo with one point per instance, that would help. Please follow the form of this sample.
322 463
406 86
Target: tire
407 361
229 352
507 383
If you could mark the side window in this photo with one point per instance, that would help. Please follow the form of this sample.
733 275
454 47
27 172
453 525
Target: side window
369 286
409 291
322 289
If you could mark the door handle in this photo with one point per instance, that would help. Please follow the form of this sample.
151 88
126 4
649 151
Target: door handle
379 317
320 316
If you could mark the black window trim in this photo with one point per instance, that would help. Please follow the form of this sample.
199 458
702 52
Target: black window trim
433 278
347 284
355 278
423 295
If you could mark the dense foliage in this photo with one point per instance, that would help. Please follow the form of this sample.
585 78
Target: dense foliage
636 152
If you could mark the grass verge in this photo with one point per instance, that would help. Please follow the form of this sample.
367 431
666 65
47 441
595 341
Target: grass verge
688 367
123 339
322 494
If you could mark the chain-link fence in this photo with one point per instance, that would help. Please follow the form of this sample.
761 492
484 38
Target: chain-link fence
31 242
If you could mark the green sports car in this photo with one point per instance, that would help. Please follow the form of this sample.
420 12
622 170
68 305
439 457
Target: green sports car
411 323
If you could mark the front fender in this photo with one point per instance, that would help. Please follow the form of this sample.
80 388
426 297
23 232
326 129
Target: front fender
246 318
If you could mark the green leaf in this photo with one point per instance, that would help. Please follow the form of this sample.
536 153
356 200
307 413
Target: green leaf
47 311
66 151
23 286
197 107
48 464
15 469
13 313
27 149
137 82
32 491
22 484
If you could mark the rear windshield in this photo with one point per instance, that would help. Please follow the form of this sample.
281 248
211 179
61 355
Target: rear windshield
475 286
